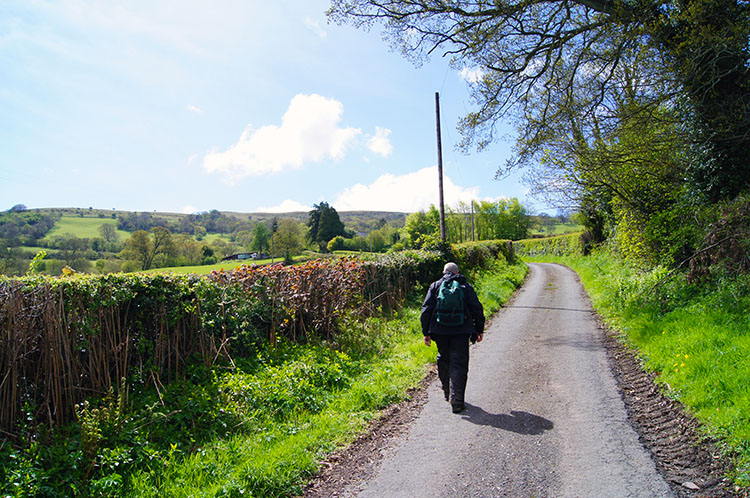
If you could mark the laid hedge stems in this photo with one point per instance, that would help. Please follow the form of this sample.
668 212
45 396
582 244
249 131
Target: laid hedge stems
65 340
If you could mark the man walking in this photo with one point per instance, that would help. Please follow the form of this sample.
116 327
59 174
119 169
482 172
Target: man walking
452 316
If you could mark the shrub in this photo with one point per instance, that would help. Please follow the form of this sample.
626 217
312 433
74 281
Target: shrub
562 245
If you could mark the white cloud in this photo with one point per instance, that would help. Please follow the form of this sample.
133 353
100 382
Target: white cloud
472 75
309 132
406 193
288 206
189 210
379 143
316 28
194 109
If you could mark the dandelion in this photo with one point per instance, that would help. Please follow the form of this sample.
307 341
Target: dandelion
682 365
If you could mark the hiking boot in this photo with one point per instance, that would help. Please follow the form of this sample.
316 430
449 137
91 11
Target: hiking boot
458 407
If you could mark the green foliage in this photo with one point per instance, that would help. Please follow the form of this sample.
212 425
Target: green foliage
495 283
502 219
562 245
149 249
480 255
336 244
36 263
261 238
288 239
421 224
324 224
21 227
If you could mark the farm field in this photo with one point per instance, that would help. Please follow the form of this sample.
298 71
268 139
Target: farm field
557 229
83 227
210 238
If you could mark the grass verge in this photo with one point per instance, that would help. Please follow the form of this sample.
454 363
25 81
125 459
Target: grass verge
694 336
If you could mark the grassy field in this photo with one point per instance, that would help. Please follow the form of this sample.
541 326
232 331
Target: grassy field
556 229
210 238
84 228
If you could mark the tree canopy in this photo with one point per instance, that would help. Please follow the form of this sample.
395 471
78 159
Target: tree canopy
634 112
324 224
542 61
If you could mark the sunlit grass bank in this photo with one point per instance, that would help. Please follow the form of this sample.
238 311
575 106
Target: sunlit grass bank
695 336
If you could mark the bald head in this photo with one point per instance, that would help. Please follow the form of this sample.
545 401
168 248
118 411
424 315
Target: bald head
451 268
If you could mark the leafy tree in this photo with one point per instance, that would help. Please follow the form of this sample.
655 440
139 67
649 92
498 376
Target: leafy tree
537 58
261 237
288 239
72 250
148 248
323 224
109 232
187 251
420 224
24 227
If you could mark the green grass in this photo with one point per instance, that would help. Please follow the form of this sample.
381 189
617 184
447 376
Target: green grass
210 238
695 337
84 228
557 229
278 457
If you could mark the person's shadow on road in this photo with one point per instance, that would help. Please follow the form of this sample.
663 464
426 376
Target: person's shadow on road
518 422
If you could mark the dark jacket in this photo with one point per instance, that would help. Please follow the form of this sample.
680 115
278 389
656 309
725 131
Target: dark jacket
474 324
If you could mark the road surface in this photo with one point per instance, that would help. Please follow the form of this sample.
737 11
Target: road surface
544 416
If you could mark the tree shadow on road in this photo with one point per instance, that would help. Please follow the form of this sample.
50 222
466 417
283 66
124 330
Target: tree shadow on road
519 422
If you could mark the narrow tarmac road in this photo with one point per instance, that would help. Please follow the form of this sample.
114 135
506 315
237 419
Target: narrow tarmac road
544 417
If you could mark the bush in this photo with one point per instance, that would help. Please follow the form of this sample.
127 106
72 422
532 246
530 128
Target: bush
562 245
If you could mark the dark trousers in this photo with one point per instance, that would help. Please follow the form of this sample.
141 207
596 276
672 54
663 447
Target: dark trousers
453 363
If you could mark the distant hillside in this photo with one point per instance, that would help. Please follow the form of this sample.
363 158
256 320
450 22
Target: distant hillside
358 221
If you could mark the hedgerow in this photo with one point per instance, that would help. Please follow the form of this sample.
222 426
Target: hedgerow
562 245
72 338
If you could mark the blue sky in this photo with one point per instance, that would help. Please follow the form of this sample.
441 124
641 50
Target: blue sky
185 106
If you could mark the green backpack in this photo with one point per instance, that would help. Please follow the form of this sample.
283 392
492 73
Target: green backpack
450 304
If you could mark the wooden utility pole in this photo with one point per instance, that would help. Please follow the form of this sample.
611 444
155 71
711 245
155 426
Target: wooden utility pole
472 220
440 167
